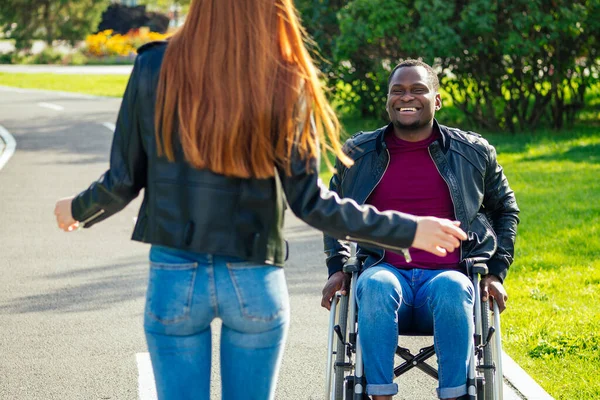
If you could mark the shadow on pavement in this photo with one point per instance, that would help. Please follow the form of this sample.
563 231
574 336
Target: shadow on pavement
103 286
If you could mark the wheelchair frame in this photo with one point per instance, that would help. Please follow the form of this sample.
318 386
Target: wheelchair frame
345 378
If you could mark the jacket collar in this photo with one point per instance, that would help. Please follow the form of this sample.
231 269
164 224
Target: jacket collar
444 140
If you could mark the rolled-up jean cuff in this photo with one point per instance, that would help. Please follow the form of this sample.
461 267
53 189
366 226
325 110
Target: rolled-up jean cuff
449 393
388 389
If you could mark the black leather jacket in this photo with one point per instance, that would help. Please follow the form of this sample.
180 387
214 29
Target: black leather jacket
483 202
200 211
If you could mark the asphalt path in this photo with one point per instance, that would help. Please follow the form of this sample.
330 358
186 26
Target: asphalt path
71 305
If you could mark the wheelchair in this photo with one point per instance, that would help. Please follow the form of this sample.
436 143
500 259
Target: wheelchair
345 378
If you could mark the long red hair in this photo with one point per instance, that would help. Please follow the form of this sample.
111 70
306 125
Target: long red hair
238 86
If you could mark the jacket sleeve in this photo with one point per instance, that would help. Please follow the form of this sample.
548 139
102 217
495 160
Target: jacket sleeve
126 175
342 218
337 251
501 207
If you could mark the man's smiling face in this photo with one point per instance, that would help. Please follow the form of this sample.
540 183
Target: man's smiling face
412 100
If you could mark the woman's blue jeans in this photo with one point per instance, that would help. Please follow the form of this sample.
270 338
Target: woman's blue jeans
392 300
186 292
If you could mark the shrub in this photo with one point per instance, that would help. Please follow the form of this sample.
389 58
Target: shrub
123 19
6 58
76 58
46 56
507 65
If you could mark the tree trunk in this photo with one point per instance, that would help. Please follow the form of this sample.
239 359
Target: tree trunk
48 23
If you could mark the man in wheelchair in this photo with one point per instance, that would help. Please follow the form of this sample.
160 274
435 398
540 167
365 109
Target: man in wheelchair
415 165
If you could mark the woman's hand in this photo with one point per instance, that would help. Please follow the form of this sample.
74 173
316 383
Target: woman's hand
438 236
64 218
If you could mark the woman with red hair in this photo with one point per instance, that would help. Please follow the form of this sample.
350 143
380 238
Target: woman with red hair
221 124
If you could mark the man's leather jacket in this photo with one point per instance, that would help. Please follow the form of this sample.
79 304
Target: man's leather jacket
200 211
483 202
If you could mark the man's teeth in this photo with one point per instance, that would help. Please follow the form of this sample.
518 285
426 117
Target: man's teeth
408 109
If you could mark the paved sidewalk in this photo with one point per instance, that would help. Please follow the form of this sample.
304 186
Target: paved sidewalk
69 69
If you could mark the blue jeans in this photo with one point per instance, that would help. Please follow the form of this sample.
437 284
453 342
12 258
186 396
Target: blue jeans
186 291
392 300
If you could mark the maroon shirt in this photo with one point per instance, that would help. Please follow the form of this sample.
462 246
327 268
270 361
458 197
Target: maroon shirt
412 184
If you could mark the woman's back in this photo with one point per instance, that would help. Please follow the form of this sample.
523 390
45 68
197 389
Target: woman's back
184 207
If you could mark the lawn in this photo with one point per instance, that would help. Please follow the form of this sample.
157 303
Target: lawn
552 324
99 85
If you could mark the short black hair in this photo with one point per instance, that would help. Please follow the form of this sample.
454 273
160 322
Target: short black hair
433 78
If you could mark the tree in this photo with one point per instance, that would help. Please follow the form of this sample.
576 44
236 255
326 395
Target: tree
319 17
49 20
506 65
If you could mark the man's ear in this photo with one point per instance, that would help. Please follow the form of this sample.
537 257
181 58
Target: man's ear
438 102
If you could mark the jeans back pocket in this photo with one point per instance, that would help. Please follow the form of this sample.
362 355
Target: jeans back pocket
170 290
261 291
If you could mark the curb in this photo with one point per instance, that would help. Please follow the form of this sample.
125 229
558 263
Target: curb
521 381
8 144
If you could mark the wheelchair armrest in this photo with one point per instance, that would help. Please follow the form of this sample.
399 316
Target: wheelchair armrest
352 265
480 269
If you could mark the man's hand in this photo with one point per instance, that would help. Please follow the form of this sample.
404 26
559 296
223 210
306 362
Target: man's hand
491 286
337 281
438 236
64 218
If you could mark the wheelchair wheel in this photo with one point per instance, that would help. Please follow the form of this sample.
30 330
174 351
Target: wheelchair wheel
340 358
488 358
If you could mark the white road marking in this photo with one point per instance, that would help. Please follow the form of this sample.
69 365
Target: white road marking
146 385
109 125
51 106
10 144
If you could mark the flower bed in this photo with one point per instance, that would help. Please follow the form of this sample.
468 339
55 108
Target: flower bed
108 44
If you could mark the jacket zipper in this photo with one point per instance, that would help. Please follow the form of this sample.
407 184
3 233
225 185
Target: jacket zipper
404 251
451 197
94 216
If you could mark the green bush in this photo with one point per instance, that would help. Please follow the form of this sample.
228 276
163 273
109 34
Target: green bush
76 58
511 66
6 58
46 56
14 57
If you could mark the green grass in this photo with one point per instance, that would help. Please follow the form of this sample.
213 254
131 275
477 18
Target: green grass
99 85
552 324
